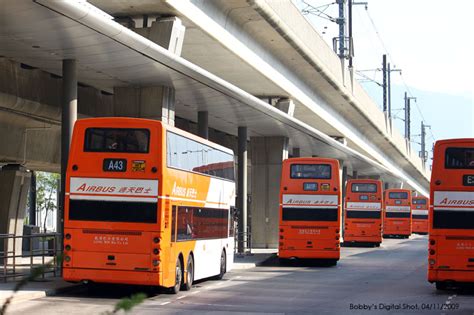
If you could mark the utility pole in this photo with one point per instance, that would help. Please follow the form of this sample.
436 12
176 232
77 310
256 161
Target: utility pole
423 152
389 93
349 13
384 82
407 116
341 22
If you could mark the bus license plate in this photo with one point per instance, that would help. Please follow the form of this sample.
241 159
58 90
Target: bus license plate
114 165
468 180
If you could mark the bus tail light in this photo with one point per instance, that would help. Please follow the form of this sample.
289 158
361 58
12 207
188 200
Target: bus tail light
67 247
432 262
432 242
67 258
281 237
156 262
68 236
337 237
156 251
432 252
156 240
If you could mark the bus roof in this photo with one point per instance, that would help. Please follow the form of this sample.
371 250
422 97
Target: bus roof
311 159
454 140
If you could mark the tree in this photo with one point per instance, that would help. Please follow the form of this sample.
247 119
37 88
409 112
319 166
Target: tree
46 193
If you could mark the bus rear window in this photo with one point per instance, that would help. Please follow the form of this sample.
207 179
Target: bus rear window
419 201
398 195
459 158
364 188
123 140
311 171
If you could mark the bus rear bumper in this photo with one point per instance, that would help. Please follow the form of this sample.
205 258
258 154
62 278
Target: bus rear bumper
437 275
309 254
112 276
363 238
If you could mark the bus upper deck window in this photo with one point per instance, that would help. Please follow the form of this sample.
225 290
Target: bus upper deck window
364 187
398 195
310 171
459 158
123 140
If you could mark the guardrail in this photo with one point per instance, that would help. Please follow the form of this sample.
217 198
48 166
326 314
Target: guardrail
243 242
16 265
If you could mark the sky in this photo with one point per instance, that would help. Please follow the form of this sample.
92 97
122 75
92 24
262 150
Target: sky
432 42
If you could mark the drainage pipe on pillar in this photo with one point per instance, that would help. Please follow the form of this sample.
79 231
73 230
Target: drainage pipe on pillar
343 197
203 124
68 118
242 189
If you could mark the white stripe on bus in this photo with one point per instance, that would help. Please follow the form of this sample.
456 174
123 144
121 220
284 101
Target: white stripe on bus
113 198
453 209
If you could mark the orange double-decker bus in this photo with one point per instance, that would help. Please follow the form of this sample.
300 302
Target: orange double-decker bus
142 207
419 215
363 212
397 213
451 213
310 197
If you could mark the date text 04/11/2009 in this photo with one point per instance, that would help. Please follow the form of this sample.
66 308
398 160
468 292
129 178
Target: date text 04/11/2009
403 306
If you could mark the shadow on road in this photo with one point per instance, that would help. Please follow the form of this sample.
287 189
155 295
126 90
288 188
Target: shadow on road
274 261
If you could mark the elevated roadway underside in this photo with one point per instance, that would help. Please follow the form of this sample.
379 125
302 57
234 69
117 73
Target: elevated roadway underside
110 55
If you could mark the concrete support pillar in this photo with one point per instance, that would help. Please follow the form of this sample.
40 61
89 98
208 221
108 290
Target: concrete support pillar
32 208
68 118
242 188
354 174
156 102
203 124
267 154
296 152
343 170
14 186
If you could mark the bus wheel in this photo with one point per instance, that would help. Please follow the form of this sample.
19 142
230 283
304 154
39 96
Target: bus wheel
189 275
223 267
441 285
178 278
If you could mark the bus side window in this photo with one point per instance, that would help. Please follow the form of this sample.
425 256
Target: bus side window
185 223
173 224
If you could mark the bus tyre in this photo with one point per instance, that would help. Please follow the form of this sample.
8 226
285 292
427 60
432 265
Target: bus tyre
187 285
178 278
441 285
223 267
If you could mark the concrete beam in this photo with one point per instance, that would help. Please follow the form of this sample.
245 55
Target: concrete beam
167 32
156 102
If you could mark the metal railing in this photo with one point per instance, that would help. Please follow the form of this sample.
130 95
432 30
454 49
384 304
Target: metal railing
16 265
243 240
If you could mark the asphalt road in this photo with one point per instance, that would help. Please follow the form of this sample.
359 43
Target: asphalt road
386 280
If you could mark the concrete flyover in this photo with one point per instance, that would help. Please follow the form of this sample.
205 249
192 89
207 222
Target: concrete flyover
237 63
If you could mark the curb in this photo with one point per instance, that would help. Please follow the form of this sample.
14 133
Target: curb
28 295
